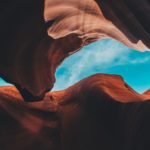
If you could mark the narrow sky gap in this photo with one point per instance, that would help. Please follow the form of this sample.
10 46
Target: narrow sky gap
105 56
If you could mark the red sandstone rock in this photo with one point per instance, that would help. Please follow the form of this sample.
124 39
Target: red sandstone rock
147 92
37 36
99 112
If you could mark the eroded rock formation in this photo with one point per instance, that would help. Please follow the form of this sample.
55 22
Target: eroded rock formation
147 92
99 112
37 36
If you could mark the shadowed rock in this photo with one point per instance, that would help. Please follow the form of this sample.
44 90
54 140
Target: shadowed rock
37 36
99 112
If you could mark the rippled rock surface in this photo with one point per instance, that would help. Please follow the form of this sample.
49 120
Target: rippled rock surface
99 112
36 36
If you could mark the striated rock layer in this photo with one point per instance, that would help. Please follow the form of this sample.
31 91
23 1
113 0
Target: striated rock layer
99 112
36 36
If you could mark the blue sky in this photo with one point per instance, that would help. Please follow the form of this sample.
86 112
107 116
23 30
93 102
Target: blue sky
105 56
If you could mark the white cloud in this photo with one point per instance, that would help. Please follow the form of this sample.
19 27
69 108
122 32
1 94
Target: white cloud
100 55
139 60
96 57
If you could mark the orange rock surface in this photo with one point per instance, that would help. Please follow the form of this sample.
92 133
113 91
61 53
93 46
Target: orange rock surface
99 112
37 36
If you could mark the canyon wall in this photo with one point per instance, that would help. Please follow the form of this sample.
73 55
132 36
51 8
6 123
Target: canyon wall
99 112
37 36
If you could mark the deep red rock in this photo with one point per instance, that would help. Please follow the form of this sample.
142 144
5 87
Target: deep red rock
37 36
147 92
99 112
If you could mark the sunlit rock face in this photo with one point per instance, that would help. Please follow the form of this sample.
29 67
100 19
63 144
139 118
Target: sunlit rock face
37 36
92 20
99 112
147 93
131 17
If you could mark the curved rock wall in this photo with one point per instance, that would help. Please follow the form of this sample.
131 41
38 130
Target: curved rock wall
99 112
37 36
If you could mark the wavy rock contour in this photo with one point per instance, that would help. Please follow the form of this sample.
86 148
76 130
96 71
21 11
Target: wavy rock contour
99 112
37 36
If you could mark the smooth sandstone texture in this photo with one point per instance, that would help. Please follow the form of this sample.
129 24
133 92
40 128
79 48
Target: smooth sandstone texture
99 112
36 36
